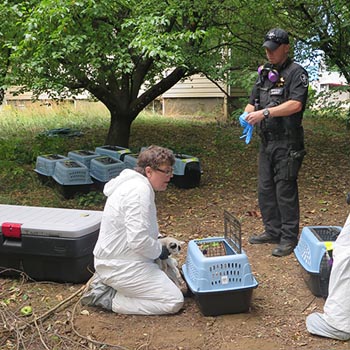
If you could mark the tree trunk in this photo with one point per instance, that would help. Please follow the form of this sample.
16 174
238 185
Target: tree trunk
119 129
2 95
123 112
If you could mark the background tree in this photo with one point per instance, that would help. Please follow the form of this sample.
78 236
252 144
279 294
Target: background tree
321 28
126 53
8 35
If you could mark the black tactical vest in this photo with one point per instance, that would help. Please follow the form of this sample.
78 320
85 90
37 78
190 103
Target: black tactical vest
273 94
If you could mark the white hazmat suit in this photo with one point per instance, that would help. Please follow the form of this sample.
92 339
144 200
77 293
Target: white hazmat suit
335 321
127 247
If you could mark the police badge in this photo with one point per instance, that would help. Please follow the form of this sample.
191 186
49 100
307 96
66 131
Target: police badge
304 80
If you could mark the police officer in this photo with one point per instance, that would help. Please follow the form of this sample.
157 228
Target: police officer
276 106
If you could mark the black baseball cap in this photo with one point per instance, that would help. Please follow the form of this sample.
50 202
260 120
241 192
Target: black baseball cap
274 38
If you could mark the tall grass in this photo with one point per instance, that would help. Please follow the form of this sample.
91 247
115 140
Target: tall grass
35 118
91 115
23 137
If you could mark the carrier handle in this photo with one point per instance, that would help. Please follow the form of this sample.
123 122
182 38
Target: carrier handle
11 230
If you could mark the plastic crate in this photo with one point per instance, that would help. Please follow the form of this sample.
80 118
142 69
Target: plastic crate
314 254
71 172
113 151
72 177
45 167
104 168
45 164
218 273
83 156
130 160
187 171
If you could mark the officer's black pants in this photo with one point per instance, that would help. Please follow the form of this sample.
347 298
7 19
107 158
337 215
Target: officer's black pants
278 189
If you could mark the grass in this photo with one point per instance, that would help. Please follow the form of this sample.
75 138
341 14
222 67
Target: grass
38 118
228 183
23 137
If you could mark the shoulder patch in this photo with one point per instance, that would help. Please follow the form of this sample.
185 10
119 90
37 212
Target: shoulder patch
304 79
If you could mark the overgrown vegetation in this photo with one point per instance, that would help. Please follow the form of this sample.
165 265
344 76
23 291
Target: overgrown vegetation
228 183
119 51
24 136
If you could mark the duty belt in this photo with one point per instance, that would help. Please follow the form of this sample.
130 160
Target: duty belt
271 136
292 135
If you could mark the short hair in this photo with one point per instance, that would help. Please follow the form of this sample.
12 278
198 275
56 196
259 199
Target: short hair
154 156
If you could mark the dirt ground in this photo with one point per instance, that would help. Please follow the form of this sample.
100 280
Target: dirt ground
279 305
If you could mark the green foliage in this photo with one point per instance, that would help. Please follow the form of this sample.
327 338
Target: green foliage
17 126
318 25
218 146
87 43
112 49
330 105
91 199
127 53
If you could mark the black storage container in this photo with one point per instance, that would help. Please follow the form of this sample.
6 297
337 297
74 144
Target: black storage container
50 244
187 171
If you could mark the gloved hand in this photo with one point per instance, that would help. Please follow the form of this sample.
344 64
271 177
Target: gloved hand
247 133
242 120
248 129
165 253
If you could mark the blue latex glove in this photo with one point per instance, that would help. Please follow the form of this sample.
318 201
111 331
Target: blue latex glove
248 129
248 133
242 120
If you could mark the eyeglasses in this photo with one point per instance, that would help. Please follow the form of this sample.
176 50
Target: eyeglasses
167 172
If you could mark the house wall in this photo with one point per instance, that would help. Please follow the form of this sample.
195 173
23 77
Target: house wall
195 86
193 96
26 99
328 82
197 95
192 105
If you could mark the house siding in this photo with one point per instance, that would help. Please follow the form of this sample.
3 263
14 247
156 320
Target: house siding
195 86
198 94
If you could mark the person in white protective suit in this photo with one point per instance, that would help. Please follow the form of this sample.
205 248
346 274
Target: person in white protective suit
127 279
335 320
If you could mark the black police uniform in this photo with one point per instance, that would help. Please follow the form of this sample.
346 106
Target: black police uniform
281 150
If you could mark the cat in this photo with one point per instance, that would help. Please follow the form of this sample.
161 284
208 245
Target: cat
169 265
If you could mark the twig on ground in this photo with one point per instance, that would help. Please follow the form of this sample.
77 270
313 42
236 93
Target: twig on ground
45 315
92 341
40 335
312 300
145 345
17 329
